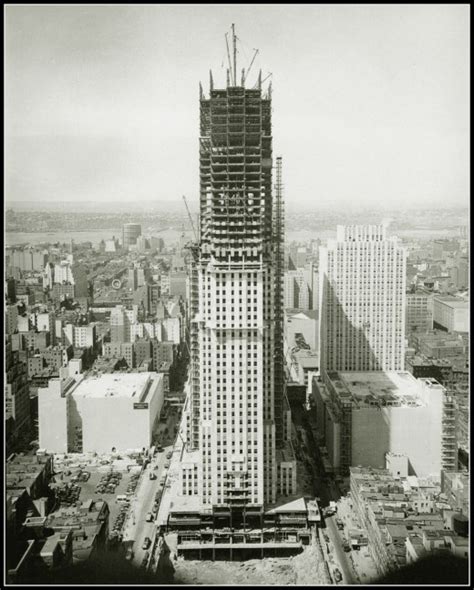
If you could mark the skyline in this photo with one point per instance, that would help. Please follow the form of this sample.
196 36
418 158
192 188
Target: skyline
380 108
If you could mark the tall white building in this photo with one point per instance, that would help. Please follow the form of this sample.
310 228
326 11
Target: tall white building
63 272
362 301
121 320
302 288
237 406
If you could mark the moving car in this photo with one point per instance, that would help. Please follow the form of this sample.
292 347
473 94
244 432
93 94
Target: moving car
337 575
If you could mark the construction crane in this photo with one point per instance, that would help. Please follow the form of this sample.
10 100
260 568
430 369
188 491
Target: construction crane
250 66
190 218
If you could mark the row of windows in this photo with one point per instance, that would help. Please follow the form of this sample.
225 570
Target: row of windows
224 292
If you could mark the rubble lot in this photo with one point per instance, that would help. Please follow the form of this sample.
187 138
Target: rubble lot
306 568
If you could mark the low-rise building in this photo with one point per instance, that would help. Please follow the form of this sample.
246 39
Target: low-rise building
402 517
451 313
81 410
439 344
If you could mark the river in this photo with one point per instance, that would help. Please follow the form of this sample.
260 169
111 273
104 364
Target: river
172 235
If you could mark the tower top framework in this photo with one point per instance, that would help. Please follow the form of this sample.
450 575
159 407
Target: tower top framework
232 78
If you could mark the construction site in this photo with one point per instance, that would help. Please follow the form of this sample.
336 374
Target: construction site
233 493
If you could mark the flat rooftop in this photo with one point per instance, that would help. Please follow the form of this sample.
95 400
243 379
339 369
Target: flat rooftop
118 385
452 301
399 388
308 359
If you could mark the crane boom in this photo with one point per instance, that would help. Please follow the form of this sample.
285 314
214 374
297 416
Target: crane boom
250 66
228 57
234 44
190 217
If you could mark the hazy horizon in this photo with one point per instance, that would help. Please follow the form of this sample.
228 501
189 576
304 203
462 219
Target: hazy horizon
177 203
370 102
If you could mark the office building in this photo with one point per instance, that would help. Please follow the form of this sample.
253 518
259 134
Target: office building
11 319
153 294
365 415
63 273
121 320
460 273
84 336
362 301
440 344
142 350
75 414
10 289
237 408
130 233
418 311
28 259
17 400
450 313
302 288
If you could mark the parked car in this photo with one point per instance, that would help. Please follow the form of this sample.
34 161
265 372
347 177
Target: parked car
169 454
149 517
337 575
146 543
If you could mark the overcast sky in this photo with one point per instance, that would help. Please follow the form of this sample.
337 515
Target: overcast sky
370 103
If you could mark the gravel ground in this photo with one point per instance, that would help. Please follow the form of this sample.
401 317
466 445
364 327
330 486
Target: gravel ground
306 568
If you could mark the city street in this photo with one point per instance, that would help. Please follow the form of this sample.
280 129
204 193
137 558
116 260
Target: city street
346 568
137 528
326 490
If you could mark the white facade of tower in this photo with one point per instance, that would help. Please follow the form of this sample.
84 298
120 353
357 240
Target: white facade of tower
232 378
237 407
362 301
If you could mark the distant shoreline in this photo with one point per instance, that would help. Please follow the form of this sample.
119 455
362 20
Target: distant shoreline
42 231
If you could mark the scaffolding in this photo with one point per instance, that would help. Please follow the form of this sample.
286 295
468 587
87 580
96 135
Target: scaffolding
279 361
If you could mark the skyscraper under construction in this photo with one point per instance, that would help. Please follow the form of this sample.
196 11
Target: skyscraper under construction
239 418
